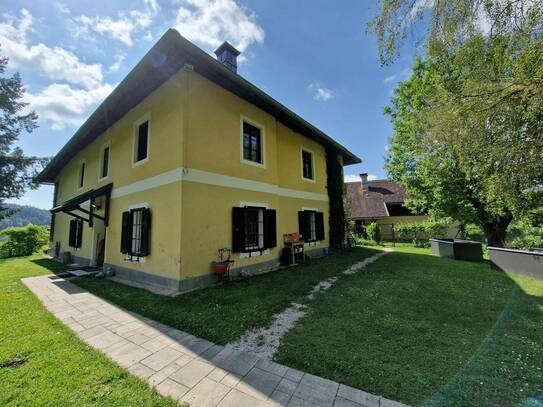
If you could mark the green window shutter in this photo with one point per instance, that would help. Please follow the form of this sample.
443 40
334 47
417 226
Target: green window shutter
238 230
145 247
319 226
270 228
126 233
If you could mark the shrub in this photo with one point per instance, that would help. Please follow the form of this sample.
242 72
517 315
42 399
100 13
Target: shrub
473 232
374 232
523 235
25 240
419 232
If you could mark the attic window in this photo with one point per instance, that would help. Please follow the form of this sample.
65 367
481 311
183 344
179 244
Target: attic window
307 165
104 163
141 142
81 176
252 144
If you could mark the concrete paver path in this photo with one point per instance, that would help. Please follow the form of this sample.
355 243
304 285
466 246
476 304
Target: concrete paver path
187 368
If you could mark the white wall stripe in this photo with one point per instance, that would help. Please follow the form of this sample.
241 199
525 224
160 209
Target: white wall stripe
210 178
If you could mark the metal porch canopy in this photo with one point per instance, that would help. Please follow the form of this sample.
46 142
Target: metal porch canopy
74 204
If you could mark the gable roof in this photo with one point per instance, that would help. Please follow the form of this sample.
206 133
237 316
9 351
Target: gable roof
162 61
373 203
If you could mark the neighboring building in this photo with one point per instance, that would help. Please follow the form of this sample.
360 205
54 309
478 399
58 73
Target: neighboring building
183 158
380 201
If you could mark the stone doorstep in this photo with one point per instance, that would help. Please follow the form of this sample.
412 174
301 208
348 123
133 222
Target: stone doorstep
188 368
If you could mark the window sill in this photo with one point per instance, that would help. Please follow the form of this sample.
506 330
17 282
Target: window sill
312 243
246 255
138 260
140 162
311 180
103 178
253 163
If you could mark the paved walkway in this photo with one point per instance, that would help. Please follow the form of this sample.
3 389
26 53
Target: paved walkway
185 367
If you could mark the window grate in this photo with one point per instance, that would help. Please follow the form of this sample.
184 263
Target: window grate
254 229
307 164
136 218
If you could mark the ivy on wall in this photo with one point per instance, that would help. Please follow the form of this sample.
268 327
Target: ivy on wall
334 172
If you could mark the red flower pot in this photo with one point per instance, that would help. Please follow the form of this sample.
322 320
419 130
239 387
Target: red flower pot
220 267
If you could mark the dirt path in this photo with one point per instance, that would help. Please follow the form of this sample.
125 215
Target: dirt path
264 342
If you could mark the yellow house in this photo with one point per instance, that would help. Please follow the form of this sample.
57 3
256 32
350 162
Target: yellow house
183 158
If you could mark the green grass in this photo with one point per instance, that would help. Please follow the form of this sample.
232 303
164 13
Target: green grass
222 314
58 369
426 330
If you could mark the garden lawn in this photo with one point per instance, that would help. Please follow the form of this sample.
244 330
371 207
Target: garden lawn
222 314
43 363
426 330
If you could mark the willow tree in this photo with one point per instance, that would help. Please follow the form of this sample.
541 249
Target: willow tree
468 124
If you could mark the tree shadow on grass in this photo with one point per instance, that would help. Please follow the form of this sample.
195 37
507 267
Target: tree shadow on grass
51 265
414 328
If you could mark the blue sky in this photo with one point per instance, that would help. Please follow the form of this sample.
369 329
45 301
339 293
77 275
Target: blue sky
313 56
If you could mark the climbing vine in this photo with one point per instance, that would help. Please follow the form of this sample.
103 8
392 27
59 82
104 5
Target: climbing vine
334 172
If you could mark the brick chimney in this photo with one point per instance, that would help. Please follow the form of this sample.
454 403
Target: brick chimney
227 55
364 178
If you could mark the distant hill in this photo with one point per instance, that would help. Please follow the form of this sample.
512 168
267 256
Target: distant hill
25 215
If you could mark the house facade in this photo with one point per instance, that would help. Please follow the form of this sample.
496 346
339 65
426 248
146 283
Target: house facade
382 202
184 158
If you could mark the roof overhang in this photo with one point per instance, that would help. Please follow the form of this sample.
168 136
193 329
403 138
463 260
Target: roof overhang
164 59
74 205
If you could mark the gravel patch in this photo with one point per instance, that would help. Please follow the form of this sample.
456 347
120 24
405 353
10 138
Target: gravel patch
264 342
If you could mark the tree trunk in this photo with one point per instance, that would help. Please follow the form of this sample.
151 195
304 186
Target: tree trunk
495 231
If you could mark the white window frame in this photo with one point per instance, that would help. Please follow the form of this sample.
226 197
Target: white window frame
261 251
307 150
145 118
80 187
313 229
262 142
101 162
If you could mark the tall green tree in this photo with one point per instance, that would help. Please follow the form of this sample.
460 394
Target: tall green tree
16 169
467 125
461 155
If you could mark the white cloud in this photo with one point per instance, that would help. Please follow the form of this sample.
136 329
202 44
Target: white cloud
389 79
124 26
419 6
356 177
115 66
320 92
54 63
398 76
61 105
210 22
351 178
